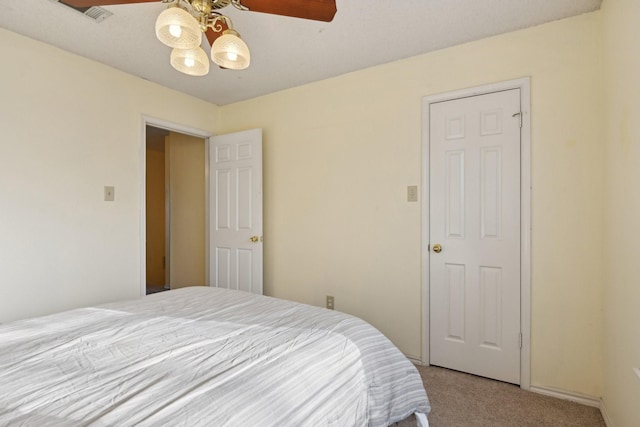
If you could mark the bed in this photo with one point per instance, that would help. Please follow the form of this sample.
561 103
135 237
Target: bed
203 356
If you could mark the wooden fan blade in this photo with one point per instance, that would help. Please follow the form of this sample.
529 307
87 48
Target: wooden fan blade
318 10
213 35
89 3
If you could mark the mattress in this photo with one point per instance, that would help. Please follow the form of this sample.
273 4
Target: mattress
204 356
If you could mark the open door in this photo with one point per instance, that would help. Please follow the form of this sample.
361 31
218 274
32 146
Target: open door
235 211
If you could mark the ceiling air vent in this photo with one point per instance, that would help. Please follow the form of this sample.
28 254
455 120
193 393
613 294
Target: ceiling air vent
95 13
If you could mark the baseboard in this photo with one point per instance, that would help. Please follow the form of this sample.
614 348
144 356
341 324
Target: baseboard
567 395
414 360
583 399
605 415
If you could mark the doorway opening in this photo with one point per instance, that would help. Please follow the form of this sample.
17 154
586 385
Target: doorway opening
175 209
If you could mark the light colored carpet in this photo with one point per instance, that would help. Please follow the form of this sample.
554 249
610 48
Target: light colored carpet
463 400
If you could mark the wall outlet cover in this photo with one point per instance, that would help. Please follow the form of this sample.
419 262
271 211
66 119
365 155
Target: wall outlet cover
329 302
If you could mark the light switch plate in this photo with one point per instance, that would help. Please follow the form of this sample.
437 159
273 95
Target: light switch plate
412 193
109 193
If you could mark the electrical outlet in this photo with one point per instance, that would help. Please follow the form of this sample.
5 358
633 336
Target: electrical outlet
329 302
637 371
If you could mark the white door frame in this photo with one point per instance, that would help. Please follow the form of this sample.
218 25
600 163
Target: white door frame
187 130
524 84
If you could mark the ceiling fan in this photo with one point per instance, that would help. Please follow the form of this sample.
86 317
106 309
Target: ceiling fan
182 24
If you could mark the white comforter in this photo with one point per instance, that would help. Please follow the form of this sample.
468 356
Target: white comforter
203 356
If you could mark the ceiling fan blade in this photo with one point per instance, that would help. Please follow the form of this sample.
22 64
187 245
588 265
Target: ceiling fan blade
317 10
213 35
89 3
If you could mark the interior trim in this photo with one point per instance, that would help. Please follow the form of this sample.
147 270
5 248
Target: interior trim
583 399
605 414
174 127
524 84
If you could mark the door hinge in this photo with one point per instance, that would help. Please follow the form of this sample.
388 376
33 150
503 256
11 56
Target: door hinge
519 117
520 340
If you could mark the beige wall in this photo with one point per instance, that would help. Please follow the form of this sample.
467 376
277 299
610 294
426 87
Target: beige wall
70 126
187 218
338 155
621 394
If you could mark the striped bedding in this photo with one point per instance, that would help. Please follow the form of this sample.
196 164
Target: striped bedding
204 357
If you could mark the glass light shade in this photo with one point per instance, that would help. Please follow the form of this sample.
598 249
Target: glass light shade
177 28
229 51
193 62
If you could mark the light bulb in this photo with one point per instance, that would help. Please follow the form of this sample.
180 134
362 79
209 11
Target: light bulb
193 62
175 30
229 51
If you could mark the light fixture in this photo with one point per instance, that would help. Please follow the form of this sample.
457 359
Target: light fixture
193 62
177 28
229 51
181 26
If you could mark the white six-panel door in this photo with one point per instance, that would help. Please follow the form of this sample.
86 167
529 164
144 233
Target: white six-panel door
474 216
235 211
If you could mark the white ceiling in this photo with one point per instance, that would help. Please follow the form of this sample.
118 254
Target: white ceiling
285 52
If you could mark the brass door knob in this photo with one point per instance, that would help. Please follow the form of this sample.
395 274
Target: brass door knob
254 239
437 248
